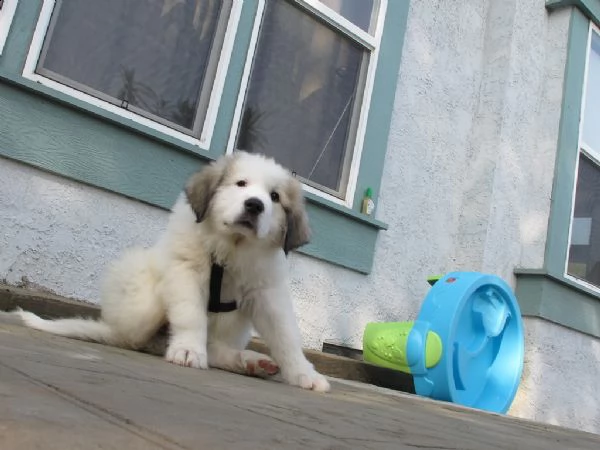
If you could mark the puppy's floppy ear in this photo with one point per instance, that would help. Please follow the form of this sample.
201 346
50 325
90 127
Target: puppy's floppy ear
202 186
298 231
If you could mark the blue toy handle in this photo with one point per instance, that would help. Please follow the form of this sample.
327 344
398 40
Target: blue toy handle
415 347
415 354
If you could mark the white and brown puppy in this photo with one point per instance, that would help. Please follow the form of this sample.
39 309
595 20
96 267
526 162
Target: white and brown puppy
243 212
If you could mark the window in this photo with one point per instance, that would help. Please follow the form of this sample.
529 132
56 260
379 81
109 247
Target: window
109 116
156 59
308 90
304 95
584 249
7 11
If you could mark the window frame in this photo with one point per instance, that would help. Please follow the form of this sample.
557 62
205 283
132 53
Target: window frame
7 13
583 149
370 42
203 142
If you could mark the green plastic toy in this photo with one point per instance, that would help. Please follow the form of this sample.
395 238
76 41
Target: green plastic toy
385 344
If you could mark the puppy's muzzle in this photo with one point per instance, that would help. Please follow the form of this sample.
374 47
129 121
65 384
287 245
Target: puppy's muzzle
253 208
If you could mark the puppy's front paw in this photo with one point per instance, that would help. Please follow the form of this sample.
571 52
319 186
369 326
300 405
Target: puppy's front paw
309 379
185 356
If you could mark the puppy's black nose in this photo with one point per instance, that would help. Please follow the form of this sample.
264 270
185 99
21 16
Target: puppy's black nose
254 206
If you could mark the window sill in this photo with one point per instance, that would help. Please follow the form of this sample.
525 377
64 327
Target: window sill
346 212
82 106
559 300
341 236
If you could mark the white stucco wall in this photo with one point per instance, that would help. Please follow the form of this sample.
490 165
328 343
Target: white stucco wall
560 380
58 234
471 149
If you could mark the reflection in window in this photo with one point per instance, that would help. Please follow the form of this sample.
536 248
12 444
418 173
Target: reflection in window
301 103
359 12
584 253
591 115
154 57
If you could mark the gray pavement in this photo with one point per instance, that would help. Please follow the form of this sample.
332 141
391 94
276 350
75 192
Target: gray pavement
58 393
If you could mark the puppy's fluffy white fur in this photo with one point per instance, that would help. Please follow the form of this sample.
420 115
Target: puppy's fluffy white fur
169 282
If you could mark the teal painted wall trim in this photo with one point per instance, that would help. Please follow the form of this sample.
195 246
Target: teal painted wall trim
343 211
344 242
558 300
100 114
591 8
567 147
19 37
60 134
41 132
382 101
233 79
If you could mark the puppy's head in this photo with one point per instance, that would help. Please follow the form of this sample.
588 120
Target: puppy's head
251 196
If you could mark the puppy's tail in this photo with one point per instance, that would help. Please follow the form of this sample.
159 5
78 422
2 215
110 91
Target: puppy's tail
84 329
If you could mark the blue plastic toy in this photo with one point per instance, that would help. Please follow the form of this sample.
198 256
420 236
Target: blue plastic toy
466 346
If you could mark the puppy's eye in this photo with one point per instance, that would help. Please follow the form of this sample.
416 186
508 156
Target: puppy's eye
241 183
275 196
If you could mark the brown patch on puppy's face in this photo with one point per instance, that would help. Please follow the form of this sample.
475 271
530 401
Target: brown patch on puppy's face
203 185
297 228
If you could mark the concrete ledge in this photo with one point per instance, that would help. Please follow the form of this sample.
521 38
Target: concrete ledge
44 304
52 306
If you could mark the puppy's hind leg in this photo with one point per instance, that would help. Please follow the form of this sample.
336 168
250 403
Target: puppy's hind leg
245 362
130 303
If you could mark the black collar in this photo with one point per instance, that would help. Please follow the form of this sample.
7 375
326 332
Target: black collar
216 281
214 302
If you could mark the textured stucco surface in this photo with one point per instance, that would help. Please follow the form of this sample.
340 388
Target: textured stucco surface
560 381
59 234
471 152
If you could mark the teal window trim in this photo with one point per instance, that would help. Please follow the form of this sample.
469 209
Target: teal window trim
549 293
558 300
60 134
7 11
590 8
557 241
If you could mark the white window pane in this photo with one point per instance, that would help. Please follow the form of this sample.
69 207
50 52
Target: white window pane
584 252
300 103
154 57
591 117
359 12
